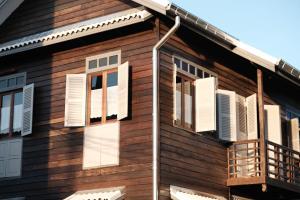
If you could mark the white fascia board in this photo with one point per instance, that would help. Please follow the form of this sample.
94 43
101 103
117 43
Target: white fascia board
7 7
256 56
160 6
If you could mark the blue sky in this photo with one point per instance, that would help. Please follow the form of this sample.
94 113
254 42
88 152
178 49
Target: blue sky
272 26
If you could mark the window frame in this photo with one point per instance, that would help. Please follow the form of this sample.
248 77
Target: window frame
11 117
98 57
190 77
16 75
185 78
104 74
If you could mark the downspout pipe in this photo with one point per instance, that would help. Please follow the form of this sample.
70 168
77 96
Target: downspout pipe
155 106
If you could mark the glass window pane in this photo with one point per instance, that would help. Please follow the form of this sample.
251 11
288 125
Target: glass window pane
192 69
178 100
112 96
18 108
11 82
102 62
3 84
20 80
199 73
92 64
206 75
5 114
177 62
113 60
96 99
188 103
185 66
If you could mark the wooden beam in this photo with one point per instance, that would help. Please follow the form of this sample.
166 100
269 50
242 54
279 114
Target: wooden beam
261 111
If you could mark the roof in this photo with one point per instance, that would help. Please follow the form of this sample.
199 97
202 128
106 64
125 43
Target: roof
75 30
179 193
224 39
107 193
7 8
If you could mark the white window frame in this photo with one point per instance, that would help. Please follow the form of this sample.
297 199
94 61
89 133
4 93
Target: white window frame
194 78
212 74
98 57
22 74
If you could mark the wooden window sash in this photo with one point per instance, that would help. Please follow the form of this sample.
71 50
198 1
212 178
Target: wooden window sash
104 75
192 85
11 117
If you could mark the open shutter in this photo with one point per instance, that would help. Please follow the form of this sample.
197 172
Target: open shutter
14 161
3 157
273 123
75 100
241 118
28 97
205 104
251 103
294 126
123 77
227 115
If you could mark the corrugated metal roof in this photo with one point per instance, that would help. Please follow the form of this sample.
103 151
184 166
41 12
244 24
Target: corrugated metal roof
178 193
76 30
107 193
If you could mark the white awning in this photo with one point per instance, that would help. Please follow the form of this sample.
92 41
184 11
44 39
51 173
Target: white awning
107 194
178 193
77 30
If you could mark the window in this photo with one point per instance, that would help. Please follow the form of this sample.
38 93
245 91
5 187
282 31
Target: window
103 96
10 157
15 115
187 73
184 101
103 61
11 112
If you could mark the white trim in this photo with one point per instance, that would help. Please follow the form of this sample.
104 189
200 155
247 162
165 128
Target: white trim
17 75
160 6
98 57
211 73
7 8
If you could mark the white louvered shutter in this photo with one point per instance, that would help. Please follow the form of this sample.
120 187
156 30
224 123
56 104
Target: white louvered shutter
205 104
28 96
123 78
241 118
3 157
251 103
75 101
294 126
227 115
273 123
14 158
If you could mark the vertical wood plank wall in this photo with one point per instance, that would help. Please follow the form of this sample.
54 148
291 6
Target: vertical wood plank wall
52 155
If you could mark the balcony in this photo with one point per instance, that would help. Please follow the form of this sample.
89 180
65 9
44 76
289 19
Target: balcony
280 167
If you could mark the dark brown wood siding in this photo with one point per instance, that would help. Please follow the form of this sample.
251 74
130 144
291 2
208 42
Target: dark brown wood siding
52 155
199 161
37 16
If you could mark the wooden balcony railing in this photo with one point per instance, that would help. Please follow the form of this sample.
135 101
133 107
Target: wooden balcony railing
244 160
282 164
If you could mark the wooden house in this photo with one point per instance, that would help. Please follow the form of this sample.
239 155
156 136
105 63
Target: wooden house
140 99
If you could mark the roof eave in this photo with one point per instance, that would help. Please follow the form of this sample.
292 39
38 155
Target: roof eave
7 8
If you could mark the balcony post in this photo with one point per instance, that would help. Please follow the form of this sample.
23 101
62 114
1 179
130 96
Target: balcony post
261 116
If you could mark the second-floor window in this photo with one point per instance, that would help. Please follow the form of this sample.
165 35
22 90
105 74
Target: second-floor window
11 112
185 103
103 96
